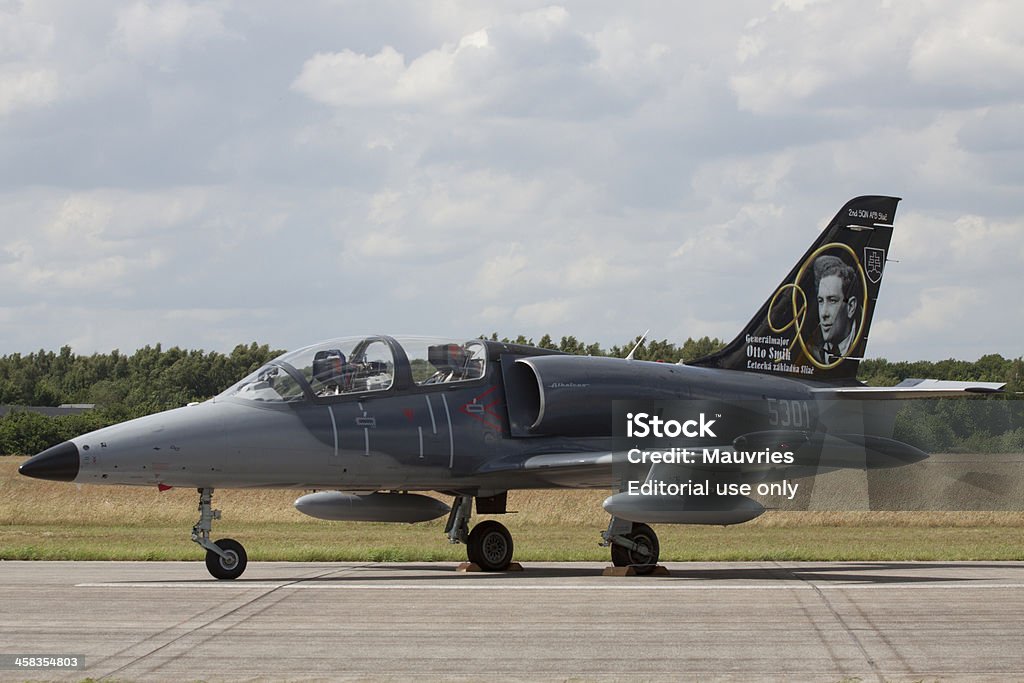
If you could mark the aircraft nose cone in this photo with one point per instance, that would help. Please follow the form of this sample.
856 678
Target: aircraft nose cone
59 463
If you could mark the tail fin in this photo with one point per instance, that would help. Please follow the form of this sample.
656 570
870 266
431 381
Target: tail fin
816 323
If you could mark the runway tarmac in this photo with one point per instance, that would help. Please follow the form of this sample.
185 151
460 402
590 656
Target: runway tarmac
816 621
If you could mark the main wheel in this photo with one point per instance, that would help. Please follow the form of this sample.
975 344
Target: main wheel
644 558
232 564
489 546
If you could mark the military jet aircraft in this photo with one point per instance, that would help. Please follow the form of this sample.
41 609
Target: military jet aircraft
369 421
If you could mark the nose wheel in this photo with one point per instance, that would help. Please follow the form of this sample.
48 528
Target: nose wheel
226 558
230 562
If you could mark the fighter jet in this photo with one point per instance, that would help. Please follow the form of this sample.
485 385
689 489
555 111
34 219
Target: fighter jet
370 423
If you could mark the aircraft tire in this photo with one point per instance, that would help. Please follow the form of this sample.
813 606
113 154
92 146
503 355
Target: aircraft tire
489 546
230 567
642 562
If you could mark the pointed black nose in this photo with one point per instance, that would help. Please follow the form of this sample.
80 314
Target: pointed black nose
59 463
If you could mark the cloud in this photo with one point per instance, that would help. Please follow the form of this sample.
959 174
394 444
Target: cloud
589 271
521 64
500 273
973 47
107 273
739 241
994 130
158 32
104 217
951 249
949 283
837 55
935 307
348 79
26 87
547 313
793 57
520 168
982 244
99 244
210 316
23 37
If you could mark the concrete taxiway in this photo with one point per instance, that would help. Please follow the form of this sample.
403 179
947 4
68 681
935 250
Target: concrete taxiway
819 621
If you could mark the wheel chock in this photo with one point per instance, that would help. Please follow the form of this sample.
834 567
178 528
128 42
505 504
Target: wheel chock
474 567
659 570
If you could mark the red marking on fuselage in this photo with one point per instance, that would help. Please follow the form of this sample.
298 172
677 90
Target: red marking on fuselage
464 409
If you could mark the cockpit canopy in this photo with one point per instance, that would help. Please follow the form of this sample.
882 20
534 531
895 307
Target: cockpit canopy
362 365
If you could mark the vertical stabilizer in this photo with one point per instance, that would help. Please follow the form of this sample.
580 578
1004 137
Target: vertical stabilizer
815 324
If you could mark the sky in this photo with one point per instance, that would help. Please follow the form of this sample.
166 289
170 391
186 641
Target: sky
213 173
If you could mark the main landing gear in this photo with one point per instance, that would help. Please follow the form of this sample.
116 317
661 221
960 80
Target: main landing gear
226 558
632 544
488 545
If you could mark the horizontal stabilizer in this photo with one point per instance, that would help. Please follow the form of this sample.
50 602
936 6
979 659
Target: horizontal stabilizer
911 388
866 451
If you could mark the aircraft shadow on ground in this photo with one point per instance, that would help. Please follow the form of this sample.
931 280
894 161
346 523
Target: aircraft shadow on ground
849 572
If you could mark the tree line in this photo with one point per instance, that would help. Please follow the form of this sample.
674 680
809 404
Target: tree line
121 386
124 386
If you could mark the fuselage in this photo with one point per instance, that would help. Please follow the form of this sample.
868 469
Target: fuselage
402 429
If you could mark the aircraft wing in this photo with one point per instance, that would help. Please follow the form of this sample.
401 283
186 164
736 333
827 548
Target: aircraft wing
572 470
911 388
578 470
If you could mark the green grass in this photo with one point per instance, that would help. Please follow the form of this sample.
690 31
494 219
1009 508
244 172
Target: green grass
363 542
55 521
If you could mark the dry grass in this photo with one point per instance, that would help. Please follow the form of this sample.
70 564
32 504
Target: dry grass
51 520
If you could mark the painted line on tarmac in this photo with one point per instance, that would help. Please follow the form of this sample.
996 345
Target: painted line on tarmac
787 586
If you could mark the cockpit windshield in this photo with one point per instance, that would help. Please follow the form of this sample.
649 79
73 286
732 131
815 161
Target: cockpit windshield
360 365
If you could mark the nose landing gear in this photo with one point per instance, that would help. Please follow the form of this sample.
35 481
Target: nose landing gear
226 558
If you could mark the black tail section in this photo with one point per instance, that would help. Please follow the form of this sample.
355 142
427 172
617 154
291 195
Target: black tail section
816 323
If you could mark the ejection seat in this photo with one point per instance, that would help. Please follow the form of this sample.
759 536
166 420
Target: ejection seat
329 371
